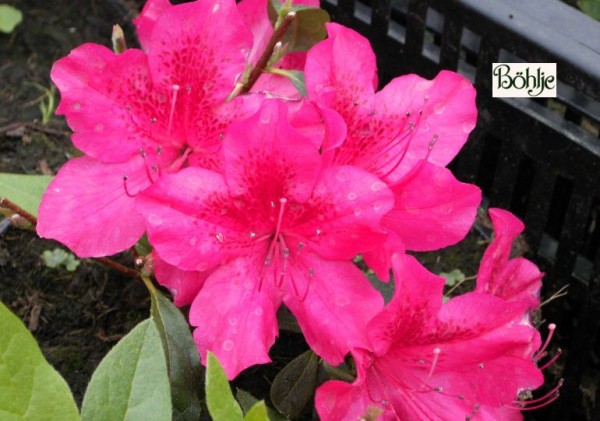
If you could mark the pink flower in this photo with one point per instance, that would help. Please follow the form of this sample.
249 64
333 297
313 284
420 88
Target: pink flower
406 133
515 279
276 226
138 115
469 358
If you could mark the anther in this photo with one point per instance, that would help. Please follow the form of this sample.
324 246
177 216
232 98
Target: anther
540 353
220 238
125 178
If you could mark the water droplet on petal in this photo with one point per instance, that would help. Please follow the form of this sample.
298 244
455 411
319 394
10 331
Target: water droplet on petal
438 389
99 128
252 234
468 126
385 403
351 195
439 108
233 321
220 238
301 245
341 175
378 185
421 362
77 106
378 205
481 365
227 345
193 241
357 212
319 232
215 8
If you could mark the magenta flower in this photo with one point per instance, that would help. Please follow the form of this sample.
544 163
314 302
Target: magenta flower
510 279
469 358
276 226
406 133
139 115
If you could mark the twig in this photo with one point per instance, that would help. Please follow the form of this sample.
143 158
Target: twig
262 62
5 203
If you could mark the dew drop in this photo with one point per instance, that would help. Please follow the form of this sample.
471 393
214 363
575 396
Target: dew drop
468 126
461 397
252 234
421 362
481 365
215 8
77 106
193 241
378 206
153 120
372 112
378 185
357 212
301 245
351 195
385 403
233 321
438 389
439 108
227 345
272 204
155 219
319 232
220 238
341 176
99 128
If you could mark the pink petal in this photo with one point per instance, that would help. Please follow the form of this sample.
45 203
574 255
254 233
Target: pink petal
442 110
265 156
348 205
333 302
193 196
202 45
145 22
98 92
432 209
341 71
336 401
255 16
235 318
516 279
380 259
414 307
87 209
184 285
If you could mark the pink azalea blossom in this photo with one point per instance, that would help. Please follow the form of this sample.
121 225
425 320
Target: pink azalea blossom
139 115
276 226
469 358
510 279
405 133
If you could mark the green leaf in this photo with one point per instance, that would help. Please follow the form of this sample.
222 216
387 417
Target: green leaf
24 190
247 401
30 389
453 277
9 18
59 257
257 413
295 384
307 29
590 7
219 399
131 382
181 352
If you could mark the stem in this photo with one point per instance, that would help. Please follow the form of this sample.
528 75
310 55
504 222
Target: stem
262 62
5 203
338 373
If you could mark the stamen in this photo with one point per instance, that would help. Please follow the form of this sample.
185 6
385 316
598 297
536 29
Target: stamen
172 112
147 166
282 201
552 360
436 356
125 178
540 353
530 405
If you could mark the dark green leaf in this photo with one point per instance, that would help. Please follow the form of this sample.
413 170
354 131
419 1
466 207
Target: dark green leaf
24 190
131 382
306 29
30 389
295 384
183 361
245 399
219 399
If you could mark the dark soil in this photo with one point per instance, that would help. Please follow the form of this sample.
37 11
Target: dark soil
78 316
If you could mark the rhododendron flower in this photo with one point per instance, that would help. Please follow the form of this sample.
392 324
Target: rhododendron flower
138 115
511 279
276 226
469 358
406 133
